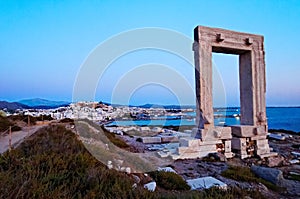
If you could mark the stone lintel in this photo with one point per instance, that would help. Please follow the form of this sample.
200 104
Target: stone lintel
227 41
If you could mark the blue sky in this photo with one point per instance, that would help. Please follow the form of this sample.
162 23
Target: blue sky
44 43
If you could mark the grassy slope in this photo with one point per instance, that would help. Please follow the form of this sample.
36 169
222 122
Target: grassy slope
54 164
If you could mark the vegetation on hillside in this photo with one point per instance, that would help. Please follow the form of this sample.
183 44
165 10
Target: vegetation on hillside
32 120
5 123
53 163
169 180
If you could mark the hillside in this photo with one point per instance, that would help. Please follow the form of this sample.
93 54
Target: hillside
42 103
11 106
53 163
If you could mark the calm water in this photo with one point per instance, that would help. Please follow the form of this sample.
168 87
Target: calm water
278 118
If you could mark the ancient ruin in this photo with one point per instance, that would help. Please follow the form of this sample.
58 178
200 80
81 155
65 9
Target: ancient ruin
250 137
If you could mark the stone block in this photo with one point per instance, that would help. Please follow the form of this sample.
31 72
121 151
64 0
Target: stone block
262 144
189 142
226 132
227 144
260 130
264 151
243 130
238 143
210 142
215 133
211 148
259 137
167 139
151 140
229 154
191 155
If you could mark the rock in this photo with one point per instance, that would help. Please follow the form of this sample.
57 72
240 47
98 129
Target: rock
206 183
270 174
276 136
294 173
109 164
296 154
275 161
218 156
294 161
122 169
128 170
136 179
167 169
150 186
134 186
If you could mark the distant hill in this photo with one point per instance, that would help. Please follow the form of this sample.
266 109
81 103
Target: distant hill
167 106
154 106
43 103
11 106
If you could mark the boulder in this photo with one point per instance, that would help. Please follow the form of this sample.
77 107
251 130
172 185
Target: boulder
275 161
218 156
136 179
150 186
206 183
167 169
270 174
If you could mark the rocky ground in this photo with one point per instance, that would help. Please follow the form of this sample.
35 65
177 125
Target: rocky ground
281 165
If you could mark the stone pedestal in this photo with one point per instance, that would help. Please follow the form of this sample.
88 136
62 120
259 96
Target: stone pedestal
205 141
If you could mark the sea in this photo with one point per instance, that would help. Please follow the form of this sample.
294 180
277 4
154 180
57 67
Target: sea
287 118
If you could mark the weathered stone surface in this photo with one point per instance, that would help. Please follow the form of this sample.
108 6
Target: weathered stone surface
205 183
253 129
227 146
275 161
243 130
218 156
151 140
250 49
238 144
166 139
270 174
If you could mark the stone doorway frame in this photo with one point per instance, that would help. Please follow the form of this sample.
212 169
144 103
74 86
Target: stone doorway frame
253 128
250 49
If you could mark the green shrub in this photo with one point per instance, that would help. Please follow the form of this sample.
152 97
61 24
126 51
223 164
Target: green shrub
169 180
294 177
244 174
5 123
67 120
115 140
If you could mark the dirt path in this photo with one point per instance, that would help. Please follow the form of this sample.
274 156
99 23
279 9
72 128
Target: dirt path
17 137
